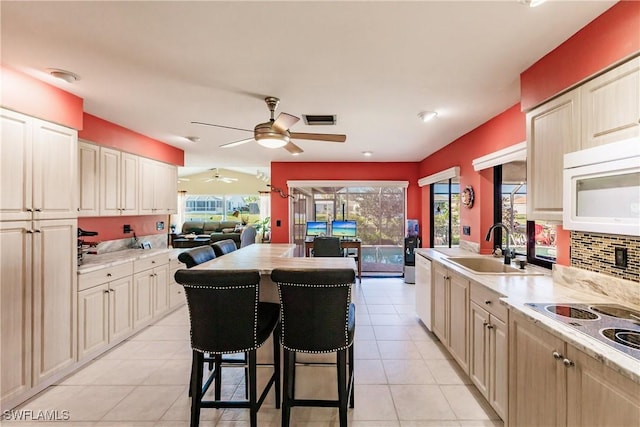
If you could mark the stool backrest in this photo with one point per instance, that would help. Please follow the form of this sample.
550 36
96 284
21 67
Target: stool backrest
248 236
314 308
223 308
197 255
223 247
327 246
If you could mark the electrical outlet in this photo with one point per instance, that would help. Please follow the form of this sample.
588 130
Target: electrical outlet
278 223
466 230
621 257
127 228
160 225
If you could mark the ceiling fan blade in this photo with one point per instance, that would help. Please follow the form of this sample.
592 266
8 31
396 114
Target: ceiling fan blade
220 126
209 179
233 144
331 137
284 121
293 148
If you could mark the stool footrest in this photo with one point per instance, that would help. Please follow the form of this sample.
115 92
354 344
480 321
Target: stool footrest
316 403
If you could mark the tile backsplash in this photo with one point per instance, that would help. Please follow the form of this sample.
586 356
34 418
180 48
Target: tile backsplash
596 252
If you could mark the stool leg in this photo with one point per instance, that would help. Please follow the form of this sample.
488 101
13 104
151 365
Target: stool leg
218 376
246 376
196 387
276 363
289 369
253 392
342 386
352 383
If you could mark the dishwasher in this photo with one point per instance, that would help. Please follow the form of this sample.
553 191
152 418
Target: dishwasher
423 289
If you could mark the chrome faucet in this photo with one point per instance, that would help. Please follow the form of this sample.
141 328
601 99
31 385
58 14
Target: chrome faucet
507 252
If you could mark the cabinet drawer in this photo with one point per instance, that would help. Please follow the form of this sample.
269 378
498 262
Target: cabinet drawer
489 300
151 262
104 275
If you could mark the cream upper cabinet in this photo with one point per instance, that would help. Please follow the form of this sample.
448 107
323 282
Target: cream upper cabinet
39 159
88 179
440 302
158 187
118 183
611 105
553 129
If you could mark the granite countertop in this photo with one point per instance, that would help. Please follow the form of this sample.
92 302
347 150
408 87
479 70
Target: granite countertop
91 262
564 285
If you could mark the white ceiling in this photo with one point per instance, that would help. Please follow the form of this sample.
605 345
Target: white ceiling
154 67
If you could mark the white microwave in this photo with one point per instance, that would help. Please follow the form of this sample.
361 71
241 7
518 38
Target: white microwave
601 189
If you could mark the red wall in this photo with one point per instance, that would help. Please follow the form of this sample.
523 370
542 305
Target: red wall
612 36
281 172
504 130
111 228
35 98
109 134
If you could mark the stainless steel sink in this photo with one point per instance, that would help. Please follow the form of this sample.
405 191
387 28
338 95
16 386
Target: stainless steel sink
490 265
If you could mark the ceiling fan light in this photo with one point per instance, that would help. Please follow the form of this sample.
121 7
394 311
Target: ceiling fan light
272 141
426 116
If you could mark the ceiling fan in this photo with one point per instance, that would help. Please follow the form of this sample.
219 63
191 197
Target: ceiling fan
219 178
275 133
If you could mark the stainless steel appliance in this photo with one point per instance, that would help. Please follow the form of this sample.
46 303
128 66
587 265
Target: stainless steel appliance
613 324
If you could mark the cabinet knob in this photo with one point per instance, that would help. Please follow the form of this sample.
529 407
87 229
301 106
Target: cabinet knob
490 326
108 274
487 301
29 210
28 231
106 291
78 209
38 210
111 290
37 230
568 363
153 262
557 355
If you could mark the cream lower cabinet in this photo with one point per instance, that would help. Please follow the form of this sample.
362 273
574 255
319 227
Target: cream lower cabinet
105 310
38 301
176 291
451 313
488 347
150 289
552 383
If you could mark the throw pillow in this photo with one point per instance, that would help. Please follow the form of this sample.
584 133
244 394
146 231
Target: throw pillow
227 230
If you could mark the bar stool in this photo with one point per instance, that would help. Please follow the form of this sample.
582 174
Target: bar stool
223 247
227 317
317 316
196 256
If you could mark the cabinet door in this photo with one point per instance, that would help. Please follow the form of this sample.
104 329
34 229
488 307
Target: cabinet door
54 297
15 166
171 188
423 290
161 290
598 395
499 366
147 187
93 320
129 184
109 182
15 309
89 179
611 105
440 280
537 380
458 320
479 348
142 298
55 165
553 129
120 308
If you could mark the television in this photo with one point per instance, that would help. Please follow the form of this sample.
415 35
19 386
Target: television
316 228
343 228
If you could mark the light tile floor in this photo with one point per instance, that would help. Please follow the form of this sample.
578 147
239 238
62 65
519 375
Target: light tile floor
404 378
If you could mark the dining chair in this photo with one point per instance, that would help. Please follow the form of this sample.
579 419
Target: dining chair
226 316
317 316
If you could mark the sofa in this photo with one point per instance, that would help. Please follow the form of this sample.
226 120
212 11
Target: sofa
215 230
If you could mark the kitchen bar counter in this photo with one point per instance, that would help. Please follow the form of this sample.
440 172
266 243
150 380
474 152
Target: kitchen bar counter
565 285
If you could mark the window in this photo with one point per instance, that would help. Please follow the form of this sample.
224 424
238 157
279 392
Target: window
243 208
445 218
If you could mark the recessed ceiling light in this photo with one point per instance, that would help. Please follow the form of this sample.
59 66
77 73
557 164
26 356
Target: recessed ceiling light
367 153
532 3
425 116
193 138
67 76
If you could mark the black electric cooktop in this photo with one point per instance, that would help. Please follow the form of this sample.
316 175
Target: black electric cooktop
613 324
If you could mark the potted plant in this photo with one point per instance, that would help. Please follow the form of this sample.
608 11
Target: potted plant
262 226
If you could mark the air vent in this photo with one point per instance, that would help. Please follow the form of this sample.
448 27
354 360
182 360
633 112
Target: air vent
319 119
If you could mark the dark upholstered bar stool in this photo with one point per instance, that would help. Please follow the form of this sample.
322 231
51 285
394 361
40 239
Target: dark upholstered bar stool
196 256
327 246
227 317
317 316
223 247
